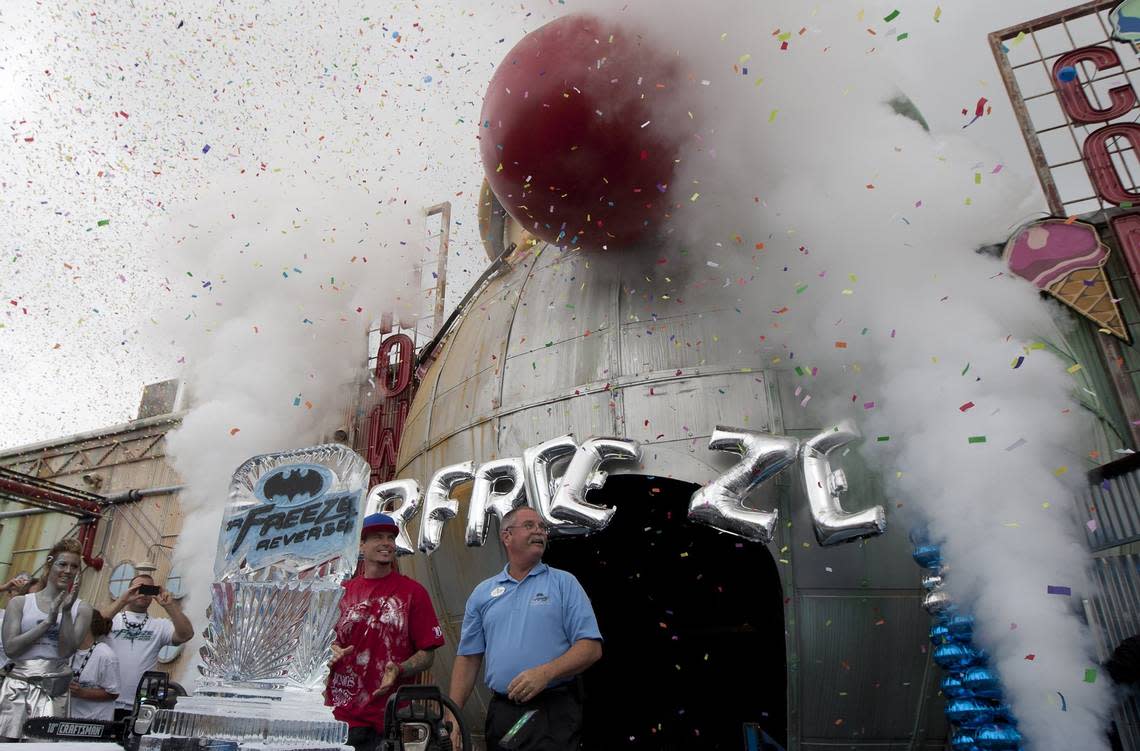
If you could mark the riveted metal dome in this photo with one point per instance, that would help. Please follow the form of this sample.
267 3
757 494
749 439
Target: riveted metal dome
560 343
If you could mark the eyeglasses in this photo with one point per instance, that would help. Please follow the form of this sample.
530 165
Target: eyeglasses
533 527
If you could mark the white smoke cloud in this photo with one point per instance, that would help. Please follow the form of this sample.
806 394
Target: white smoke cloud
275 340
869 272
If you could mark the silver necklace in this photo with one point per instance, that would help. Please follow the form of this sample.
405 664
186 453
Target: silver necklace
134 629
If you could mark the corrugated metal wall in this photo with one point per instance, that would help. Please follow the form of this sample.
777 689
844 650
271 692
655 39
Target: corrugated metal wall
1114 614
1110 508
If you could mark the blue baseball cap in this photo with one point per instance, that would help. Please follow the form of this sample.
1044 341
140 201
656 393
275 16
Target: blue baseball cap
378 523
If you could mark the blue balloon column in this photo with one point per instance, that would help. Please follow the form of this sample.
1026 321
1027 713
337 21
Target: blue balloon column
974 705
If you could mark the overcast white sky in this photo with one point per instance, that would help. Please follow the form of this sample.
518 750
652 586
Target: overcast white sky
110 107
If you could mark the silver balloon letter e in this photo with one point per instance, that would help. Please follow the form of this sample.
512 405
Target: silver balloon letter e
823 487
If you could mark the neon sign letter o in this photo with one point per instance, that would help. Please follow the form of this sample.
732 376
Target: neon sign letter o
1105 178
403 365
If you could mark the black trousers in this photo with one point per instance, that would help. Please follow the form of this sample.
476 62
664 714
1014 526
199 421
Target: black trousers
556 726
363 738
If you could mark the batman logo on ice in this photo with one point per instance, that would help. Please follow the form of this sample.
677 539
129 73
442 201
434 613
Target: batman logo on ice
293 484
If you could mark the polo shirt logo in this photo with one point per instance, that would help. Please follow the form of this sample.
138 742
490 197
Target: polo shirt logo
540 599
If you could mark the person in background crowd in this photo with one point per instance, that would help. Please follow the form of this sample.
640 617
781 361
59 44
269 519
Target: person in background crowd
387 634
538 631
136 638
41 631
20 584
95 674
17 585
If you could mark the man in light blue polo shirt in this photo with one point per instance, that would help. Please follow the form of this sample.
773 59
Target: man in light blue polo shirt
536 628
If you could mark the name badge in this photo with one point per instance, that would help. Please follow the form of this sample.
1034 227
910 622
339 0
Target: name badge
498 590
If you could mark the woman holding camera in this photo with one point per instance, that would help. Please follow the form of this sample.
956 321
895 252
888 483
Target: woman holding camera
40 633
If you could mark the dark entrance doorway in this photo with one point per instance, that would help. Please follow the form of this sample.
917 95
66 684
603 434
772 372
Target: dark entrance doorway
693 624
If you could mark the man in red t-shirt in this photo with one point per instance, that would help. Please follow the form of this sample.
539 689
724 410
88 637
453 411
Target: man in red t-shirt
386 634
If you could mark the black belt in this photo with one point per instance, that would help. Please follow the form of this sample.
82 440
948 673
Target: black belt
564 688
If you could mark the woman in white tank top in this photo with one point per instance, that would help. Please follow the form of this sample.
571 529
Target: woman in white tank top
40 633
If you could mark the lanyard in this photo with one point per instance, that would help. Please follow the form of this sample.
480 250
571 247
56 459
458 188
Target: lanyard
86 657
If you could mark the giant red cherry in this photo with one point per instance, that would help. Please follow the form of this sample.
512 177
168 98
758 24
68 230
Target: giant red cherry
580 130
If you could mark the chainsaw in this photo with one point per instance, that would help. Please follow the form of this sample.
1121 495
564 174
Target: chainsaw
155 692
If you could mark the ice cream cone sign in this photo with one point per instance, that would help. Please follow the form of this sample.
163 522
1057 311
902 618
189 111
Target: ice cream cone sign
1066 259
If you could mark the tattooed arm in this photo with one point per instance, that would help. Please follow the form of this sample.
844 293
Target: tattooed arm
417 663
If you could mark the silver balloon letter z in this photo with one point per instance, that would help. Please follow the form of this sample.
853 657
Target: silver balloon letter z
720 503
